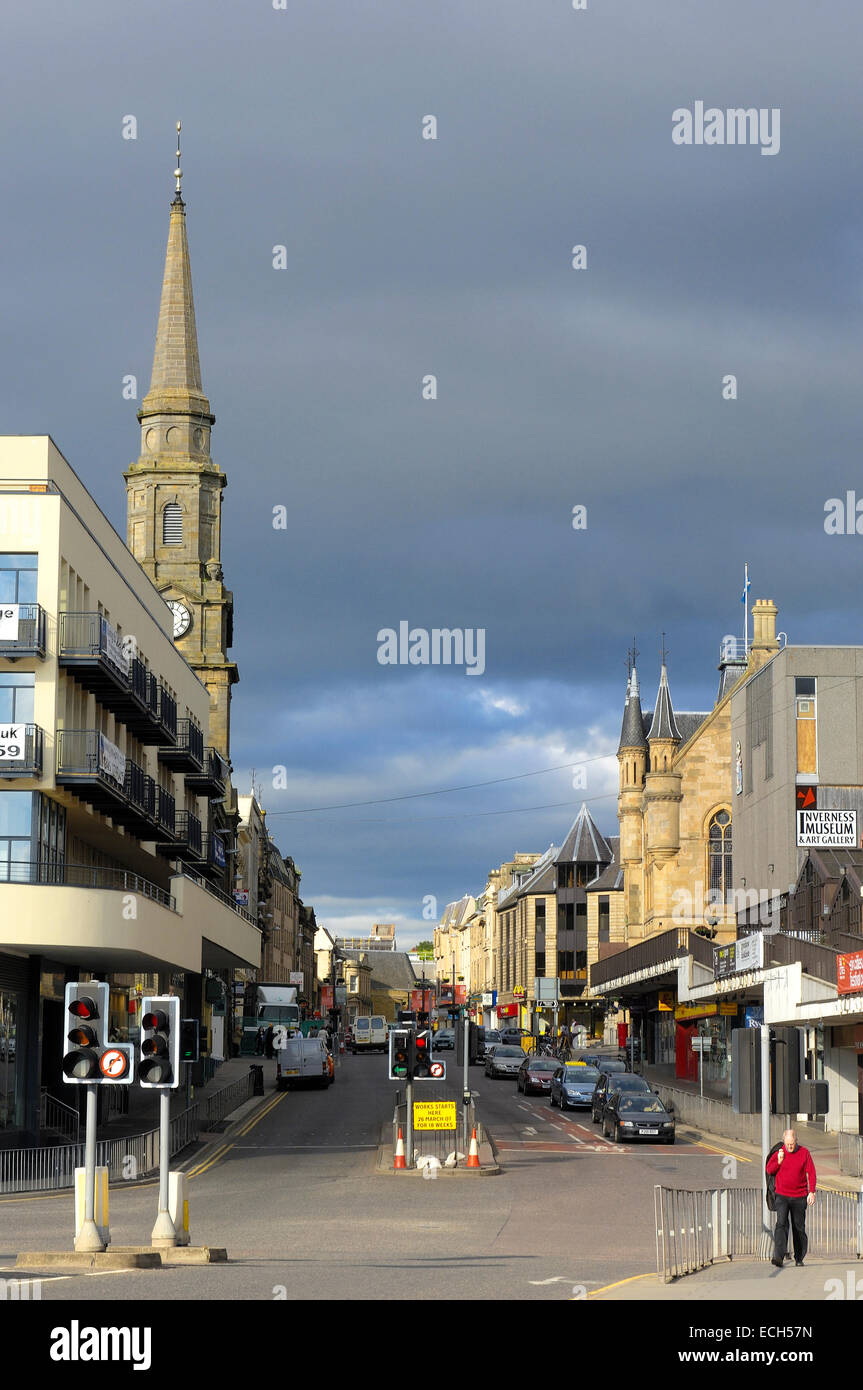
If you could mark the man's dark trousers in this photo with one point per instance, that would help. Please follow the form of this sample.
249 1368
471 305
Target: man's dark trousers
795 1207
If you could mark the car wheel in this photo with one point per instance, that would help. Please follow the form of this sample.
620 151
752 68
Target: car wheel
616 1135
551 1099
595 1119
563 1104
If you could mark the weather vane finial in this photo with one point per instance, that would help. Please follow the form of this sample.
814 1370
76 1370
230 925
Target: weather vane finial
178 173
663 650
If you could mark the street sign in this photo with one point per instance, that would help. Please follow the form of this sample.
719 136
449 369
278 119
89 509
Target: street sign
434 1114
437 1070
825 829
117 1064
701 1044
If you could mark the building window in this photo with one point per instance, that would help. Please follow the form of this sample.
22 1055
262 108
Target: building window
172 524
540 964
807 756
566 964
10 1071
16 697
352 984
18 574
16 811
604 917
719 856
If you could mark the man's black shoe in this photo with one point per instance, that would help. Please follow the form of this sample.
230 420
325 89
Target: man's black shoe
799 1264
777 1263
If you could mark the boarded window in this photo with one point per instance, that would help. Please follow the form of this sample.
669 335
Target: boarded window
172 524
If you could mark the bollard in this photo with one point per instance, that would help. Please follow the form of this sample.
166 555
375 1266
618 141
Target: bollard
258 1080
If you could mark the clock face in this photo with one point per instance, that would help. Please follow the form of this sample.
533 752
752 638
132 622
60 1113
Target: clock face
182 617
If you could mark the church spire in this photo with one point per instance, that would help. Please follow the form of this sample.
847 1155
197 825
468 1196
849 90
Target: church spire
632 729
175 385
664 725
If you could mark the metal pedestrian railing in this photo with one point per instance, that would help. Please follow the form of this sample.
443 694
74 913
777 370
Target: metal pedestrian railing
127 1158
437 1143
61 1118
717 1116
851 1154
697 1227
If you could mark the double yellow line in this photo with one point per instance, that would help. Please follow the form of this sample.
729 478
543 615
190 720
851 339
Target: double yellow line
226 1148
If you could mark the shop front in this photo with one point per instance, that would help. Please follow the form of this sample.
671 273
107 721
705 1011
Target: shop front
664 1028
713 1021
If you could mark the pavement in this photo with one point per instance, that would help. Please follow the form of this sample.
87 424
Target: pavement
749 1281
143 1112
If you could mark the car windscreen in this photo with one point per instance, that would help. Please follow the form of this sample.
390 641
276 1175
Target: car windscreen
508 1052
543 1066
627 1082
646 1105
492 1036
576 1076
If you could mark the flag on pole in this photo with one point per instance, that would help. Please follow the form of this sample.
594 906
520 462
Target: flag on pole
745 586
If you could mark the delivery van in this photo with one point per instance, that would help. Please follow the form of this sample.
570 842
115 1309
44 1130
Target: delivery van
370 1033
303 1062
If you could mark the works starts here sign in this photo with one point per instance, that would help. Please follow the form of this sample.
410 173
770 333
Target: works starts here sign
434 1114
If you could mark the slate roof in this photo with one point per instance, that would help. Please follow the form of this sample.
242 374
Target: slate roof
584 843
632 728
663 725
392 970
541 879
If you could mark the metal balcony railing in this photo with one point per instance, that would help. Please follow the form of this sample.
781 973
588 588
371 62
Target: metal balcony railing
186 753
85 876
213 775
189 835
655 950
168 713
31 633
27 761
166 810
184 872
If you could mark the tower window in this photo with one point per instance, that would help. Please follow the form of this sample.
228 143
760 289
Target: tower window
172 524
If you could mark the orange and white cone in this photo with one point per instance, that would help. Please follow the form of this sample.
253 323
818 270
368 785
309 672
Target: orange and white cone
399 1160
473 1152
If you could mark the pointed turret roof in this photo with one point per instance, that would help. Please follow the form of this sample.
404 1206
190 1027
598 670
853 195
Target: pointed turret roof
632 729
175 385
664 725
584 843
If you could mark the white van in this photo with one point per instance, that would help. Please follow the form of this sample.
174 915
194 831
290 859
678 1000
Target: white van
303 1062
370 1033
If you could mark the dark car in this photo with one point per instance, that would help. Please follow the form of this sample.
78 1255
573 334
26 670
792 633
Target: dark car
633 1115
572 1085
609 1082
504 1061
444 1037
607 1063
513 1036
535 1074
485 1038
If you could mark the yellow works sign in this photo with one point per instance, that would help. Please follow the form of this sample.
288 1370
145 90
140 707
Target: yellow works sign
434 1114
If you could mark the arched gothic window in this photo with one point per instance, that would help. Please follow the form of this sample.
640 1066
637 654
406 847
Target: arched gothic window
172 524
719 854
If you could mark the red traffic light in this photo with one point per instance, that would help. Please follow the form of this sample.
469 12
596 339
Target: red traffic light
84 1008
157 1021
422 1041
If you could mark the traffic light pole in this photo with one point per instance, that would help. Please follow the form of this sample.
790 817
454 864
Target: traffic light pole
164 1231
88 1238
409 1143
466 1082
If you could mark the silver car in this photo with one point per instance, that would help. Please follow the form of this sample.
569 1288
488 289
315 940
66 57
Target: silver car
504 1061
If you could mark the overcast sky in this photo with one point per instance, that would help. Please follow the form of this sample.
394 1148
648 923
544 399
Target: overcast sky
556 387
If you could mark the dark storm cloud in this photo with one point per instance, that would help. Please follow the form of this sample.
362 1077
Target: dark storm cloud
556 387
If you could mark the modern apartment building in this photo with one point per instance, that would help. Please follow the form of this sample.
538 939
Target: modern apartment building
110 788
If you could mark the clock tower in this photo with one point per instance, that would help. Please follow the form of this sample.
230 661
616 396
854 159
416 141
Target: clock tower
174 491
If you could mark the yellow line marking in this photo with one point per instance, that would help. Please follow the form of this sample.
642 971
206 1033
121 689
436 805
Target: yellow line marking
262 1114
202 1167
726 1153
631 1280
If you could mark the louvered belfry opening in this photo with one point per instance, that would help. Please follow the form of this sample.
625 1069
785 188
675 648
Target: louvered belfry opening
172 524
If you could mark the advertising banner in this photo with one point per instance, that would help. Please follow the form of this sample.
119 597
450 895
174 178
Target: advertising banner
111 761
326 998
12 741
849 973
114 649
460 995
296 978
738 956
507 1010
9 615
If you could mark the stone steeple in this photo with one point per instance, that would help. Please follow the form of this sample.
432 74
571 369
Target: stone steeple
632 728
174 490
664 725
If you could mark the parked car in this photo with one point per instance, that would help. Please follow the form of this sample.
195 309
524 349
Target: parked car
614 1081
504 1061
605 1062
535 1074
513 1036
633 1115
573 1085
444 1037
486 1038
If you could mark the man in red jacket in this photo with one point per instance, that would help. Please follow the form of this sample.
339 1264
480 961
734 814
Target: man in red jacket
795 1191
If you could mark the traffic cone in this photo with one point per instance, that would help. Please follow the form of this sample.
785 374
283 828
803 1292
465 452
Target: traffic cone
399 1160
473 1152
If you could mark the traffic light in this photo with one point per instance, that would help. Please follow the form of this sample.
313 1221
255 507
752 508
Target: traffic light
400 1039
85 1028
159 1048
189 1039
422 1056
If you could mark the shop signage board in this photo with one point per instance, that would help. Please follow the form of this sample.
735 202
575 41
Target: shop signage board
434 1114
666 1001
849 973
739 956
507 1010
688 1011
296 978
12 741
546 988
827 829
